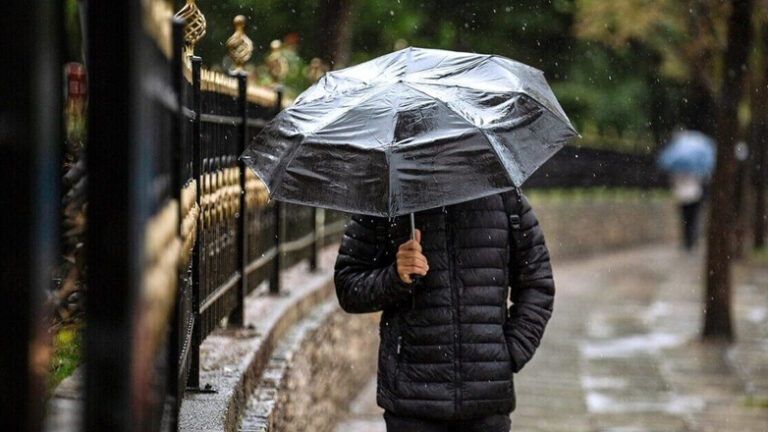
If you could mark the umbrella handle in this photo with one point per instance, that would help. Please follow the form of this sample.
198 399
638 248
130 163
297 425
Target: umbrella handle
414 277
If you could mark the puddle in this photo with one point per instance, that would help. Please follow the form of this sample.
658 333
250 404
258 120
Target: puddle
603 383
757 314
600 327
650 343
655 311
600 403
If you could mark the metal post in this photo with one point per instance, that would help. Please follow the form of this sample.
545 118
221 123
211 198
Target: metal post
274 282
313 246
238 314
114 229
319 234
177 333
193 380
30 112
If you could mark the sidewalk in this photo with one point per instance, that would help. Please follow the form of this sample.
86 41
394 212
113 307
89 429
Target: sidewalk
622 353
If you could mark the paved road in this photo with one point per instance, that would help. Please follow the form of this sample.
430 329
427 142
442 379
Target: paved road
622 353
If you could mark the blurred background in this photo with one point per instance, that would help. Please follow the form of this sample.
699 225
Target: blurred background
649 334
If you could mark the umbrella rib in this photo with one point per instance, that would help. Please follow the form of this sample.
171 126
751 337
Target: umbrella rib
556 109
472 125
279 173
566 122
345 110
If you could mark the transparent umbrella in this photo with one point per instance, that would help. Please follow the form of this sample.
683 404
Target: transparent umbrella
411 130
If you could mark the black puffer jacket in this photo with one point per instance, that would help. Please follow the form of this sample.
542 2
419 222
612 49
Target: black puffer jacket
449 343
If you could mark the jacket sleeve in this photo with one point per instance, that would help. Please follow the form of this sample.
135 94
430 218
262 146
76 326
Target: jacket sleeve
532 286
365 273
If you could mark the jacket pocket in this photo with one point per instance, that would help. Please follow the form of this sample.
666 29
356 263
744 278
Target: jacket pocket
510 380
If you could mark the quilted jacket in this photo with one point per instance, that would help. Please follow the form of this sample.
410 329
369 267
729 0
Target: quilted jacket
451 343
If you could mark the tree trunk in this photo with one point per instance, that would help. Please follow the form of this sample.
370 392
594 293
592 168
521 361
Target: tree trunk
717 309
335 30
699 110
758 139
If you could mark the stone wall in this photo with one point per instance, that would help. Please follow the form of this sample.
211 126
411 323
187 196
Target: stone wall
578 226
332 363
314 371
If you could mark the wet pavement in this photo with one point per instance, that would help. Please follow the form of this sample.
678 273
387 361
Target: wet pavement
622 353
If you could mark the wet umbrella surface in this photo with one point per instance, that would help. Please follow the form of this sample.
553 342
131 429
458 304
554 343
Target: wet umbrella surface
409 131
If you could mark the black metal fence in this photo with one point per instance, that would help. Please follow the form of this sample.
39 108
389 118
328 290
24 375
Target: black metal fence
574 167
180 232
30 90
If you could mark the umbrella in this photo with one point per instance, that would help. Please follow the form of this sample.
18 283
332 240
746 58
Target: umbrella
411 130
689 152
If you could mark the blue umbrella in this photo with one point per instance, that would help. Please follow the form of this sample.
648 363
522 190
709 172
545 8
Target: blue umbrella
689 152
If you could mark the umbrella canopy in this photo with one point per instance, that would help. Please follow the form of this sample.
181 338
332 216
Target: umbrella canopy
689 152
409 131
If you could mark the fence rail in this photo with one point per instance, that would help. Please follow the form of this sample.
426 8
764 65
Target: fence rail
209 235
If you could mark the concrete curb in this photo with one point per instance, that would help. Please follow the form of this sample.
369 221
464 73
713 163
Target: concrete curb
233 360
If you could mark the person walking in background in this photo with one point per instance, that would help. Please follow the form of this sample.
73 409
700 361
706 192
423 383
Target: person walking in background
689 158
450 342
688 190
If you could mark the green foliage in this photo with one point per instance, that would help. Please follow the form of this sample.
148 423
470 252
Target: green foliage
266 21
759 257
531 31
621 101
618 69
72 31
66 354
755 402
595 194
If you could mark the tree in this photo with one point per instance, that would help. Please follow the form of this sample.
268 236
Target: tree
717 303
758 132
687 38
334 31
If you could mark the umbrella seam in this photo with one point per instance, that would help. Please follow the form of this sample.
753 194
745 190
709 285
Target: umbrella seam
559 112
476 127
517 92
280 173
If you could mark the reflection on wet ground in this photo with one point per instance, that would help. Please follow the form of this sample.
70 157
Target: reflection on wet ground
622 353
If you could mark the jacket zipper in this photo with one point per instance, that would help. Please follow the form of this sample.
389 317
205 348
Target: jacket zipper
397 333
397 360
455 313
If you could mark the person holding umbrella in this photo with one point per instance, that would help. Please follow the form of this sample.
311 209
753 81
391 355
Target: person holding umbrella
450 344
441 141
689 159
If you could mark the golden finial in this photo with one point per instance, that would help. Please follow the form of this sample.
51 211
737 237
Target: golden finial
239 45
195 28
277 65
